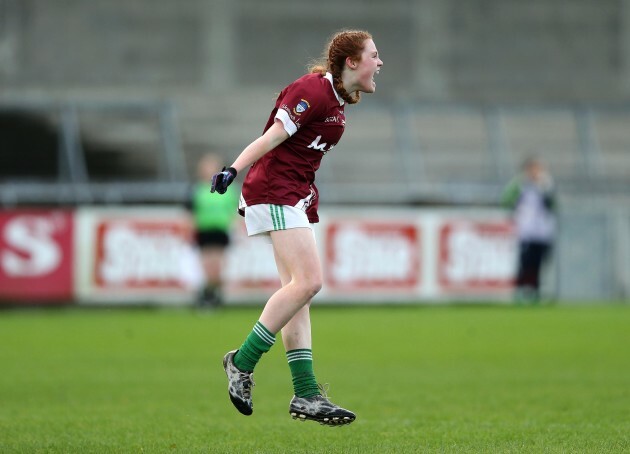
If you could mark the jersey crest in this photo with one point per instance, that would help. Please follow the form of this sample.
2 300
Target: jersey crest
301 107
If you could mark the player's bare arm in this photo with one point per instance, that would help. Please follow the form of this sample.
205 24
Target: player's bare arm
273 137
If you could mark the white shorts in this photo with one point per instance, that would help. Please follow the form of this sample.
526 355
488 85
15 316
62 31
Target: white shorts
265 218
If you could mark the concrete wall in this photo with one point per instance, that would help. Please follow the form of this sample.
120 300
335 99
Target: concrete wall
478 49
223 61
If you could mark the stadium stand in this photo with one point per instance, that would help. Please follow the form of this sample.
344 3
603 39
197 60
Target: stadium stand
612 160
416 153
466 93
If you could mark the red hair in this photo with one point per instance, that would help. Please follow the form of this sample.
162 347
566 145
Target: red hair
343 44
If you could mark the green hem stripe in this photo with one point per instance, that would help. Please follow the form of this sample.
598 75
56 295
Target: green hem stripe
273 218
284 225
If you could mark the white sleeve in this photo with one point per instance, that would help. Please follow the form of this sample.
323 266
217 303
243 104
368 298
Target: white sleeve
289 126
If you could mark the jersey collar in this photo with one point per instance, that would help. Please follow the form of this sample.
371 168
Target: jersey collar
330 79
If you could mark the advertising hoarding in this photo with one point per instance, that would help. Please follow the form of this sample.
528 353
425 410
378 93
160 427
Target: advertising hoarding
36 256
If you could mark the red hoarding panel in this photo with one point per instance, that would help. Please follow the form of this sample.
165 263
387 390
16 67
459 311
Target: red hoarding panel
36 255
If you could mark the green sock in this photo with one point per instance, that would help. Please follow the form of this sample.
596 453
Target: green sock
301 365
259 341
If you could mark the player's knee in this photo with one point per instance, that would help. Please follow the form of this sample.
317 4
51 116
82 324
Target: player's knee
316 287
311 287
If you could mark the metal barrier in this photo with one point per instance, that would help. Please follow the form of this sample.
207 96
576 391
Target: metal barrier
74 184
591 258
393 153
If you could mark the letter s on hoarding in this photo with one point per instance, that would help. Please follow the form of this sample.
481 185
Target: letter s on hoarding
32 249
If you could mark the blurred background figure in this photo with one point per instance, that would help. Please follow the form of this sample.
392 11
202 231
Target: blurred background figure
212 217
530 196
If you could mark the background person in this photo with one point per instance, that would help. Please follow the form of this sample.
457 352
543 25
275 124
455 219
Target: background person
213 217
530 196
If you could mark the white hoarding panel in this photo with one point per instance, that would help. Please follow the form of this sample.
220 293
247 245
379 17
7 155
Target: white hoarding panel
135 255
250 273
368 255
376 258
475 257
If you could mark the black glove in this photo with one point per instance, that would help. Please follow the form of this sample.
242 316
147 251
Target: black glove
223 179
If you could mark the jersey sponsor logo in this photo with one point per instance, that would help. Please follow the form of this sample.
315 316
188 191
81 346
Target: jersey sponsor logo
339 119
307 201
301 107
320 146
289 112
316 145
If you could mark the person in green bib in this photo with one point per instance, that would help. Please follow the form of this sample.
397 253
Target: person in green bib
212 216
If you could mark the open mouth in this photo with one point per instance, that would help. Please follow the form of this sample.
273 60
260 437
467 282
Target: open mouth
374 75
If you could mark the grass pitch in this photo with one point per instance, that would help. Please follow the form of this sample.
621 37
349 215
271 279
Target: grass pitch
421 379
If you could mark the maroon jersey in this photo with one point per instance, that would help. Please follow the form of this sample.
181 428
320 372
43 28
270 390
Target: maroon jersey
313 116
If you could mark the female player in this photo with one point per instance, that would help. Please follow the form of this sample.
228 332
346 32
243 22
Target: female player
279 199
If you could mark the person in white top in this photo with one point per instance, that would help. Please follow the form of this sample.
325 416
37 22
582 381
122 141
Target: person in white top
531 197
